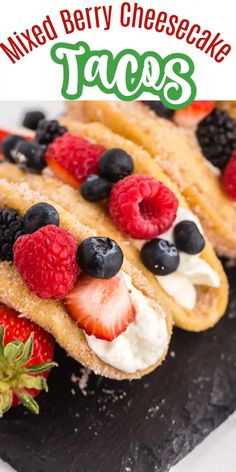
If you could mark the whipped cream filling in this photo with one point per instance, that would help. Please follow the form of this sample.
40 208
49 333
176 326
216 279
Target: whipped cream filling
192 269
142 344
213 168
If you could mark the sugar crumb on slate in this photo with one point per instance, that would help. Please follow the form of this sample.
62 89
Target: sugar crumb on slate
152 412
82 380
230 263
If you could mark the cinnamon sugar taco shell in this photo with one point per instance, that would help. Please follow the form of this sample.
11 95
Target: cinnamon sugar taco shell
229 106
211 301
179 158
52 315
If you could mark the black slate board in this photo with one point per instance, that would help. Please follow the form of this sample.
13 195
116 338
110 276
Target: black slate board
142 426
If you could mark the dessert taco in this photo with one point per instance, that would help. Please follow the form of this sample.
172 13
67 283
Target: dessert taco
78 287
179 156
189 279
228 106
210 128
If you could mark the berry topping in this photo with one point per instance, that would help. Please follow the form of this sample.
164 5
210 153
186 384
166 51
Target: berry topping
47 131
160 109
100 257
8 146
229 178
217 137
115 164
73 158
142 206
101 307
46 261
4 133
32 119
160 256
11 228
39 215
95 189
29 156
190 116
188 237
26 353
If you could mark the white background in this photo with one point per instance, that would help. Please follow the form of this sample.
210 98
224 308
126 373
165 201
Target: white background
36 76
217 452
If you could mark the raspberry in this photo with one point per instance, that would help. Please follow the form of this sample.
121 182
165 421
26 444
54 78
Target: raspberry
73 158
142 206
46 261
229 178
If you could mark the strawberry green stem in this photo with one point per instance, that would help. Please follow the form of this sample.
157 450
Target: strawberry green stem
16 378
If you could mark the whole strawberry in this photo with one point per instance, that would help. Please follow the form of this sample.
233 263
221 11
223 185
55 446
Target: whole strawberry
26 353
46 260
72 158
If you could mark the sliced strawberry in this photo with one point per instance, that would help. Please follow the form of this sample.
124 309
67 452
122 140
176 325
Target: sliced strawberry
101 307
63 174
3 134
190 116
72 158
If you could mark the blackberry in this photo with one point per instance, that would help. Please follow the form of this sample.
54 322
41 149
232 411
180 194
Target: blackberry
11 228
47 131
217 137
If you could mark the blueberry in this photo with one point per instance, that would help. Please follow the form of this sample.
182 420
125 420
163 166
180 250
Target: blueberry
9 144
95 188
160 109
32 119
115 164
101 258
188 237
160 256
29 156
41 214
